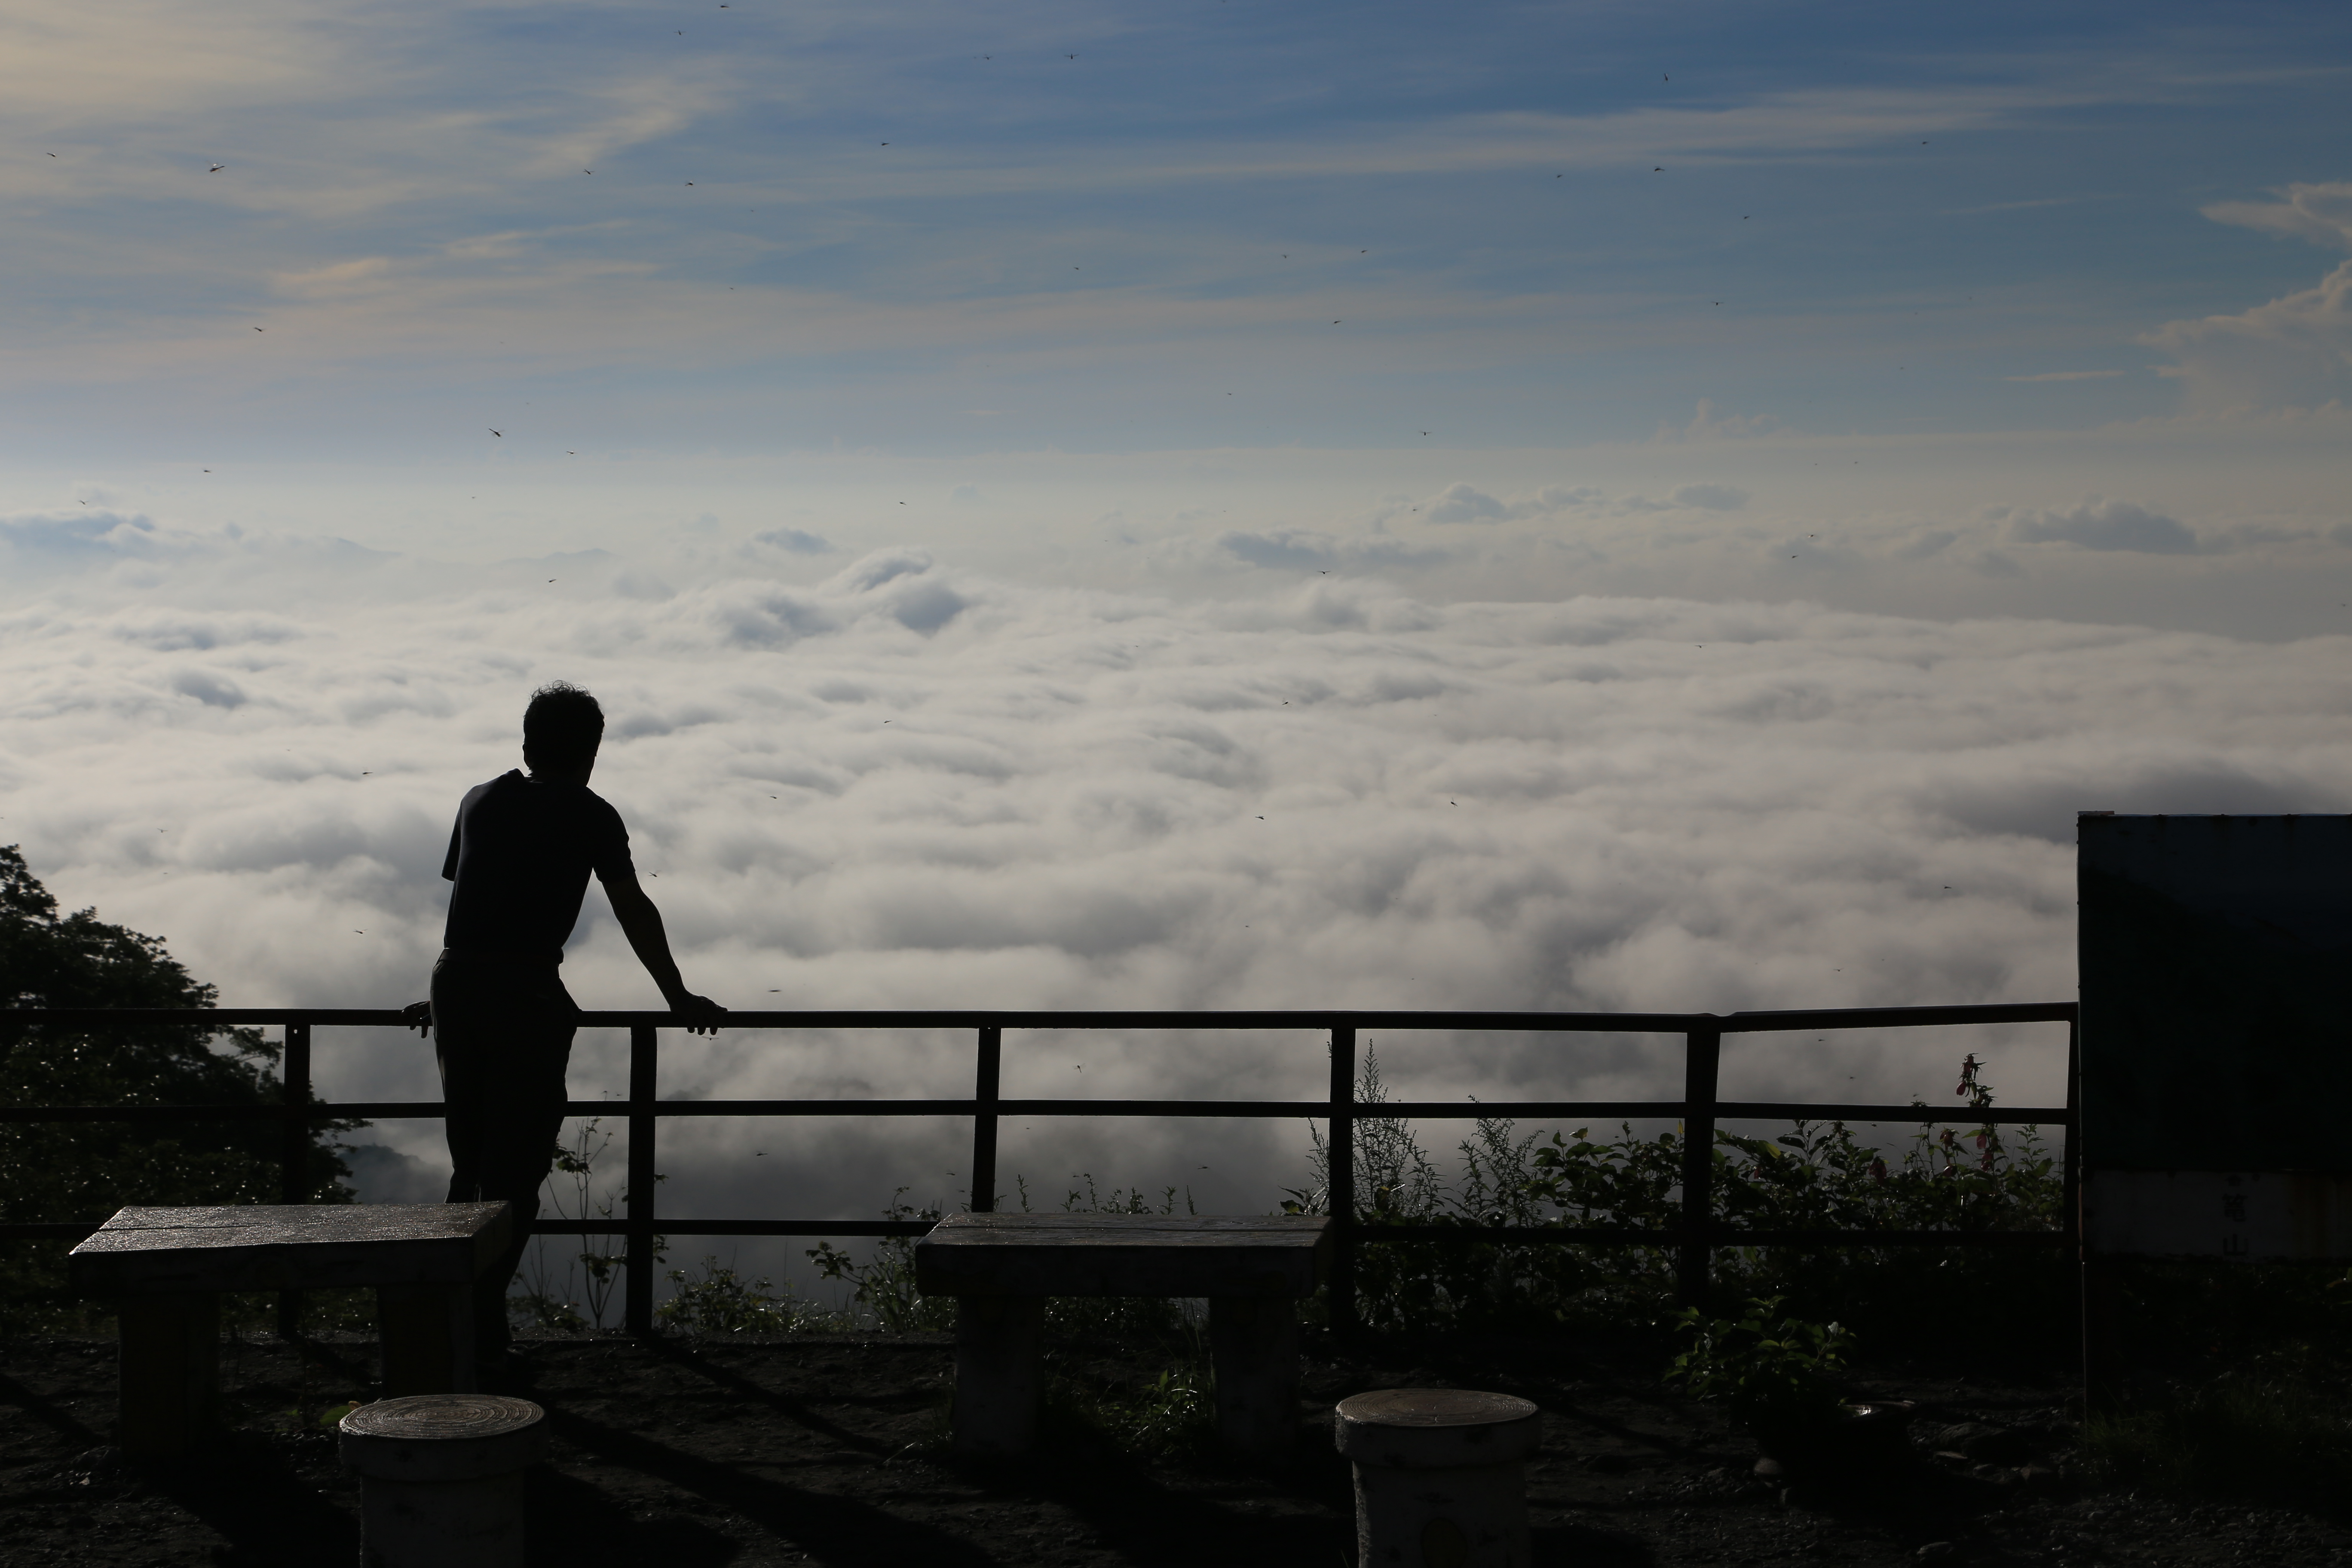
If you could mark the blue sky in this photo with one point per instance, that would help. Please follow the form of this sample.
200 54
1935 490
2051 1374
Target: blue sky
1221 224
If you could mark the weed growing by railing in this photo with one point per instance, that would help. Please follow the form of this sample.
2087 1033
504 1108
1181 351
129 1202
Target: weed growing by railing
1960 1178
591 1275
882 1289
721 1303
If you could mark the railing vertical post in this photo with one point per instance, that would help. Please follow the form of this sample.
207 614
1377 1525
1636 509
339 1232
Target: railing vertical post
294 1152
986 1083
1701 1055
2070 1194
1342 1172
2106 1386
643 1057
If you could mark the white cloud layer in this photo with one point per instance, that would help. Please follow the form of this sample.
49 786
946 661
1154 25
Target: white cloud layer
910 785
2294 351
2103 524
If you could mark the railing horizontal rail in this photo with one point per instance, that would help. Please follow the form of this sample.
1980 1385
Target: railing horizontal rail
875 1227
960 1018
1714 1235
1726 1110
1786 1110
1699 1112
1891 1017
1578 1236
1423 1109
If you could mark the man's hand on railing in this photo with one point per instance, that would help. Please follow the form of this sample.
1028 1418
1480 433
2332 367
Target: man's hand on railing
700 1013
418 1015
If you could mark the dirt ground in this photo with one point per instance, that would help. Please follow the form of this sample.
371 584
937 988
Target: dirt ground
827 1451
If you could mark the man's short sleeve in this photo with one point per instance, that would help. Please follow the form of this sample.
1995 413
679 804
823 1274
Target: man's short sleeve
456 836
608 846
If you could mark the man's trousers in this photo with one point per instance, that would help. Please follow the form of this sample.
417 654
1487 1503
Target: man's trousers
502 1031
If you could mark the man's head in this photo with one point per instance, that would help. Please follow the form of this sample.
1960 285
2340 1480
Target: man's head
560 731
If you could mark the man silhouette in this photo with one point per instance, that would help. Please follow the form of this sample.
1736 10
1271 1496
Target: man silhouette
520 856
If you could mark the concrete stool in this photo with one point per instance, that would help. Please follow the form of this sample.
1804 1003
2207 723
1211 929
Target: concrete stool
441 1478
1441 1476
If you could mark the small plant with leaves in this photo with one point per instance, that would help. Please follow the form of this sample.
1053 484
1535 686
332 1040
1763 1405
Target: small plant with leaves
1173 1412
550 1303
1772 1373
723 1302
882 1289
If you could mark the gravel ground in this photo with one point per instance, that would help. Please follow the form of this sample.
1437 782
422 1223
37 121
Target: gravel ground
827 1451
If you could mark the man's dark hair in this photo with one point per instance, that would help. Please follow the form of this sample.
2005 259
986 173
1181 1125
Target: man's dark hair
562 727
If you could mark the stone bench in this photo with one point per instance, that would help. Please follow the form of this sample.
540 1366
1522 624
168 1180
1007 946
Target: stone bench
169 1265
1002 1267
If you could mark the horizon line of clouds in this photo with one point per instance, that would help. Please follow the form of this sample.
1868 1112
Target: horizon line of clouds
1578 537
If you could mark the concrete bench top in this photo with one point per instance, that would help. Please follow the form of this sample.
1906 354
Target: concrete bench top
288 1247
1123 1254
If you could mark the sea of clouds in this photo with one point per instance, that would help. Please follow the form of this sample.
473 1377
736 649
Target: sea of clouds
909 784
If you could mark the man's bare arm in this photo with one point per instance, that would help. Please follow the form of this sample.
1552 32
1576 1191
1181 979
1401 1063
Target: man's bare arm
642 924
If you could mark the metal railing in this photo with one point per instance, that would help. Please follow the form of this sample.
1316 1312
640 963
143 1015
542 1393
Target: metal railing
1694 1237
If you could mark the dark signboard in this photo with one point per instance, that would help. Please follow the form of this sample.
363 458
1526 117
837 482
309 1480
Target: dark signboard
2216 957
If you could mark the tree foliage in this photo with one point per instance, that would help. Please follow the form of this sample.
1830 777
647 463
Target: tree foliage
84 1171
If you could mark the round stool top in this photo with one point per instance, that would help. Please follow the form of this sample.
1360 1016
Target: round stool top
1435 1428
444 1436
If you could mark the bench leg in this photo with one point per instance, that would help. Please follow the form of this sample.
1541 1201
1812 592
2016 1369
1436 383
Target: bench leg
1254 1341
428 1339
1000 1374
170 1370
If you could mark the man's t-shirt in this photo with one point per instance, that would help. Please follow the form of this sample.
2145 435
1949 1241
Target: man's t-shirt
520 856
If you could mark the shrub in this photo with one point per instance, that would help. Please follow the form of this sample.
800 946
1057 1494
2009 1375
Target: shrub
721 1303
86 1170
1819 1176
882 1289
1770 1376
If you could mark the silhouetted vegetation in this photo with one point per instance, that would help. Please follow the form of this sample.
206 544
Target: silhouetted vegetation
86 1170
1962 1178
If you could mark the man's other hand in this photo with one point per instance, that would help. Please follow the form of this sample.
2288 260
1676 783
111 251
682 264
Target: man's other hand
418 1015
700 1013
